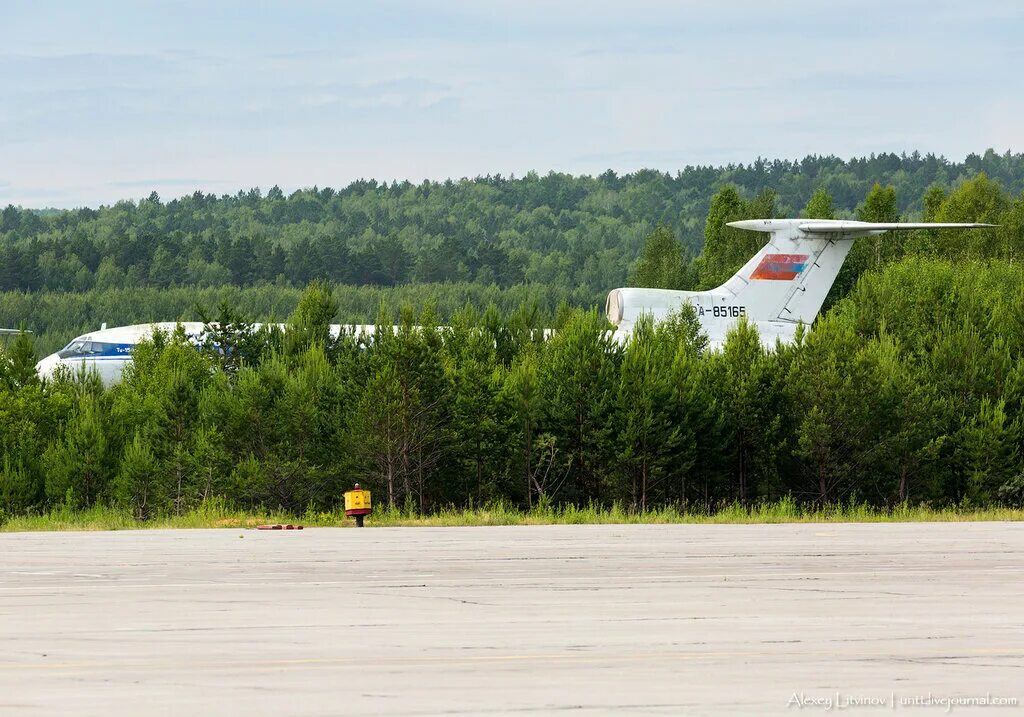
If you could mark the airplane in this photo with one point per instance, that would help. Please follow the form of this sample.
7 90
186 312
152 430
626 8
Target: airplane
782 286
108 350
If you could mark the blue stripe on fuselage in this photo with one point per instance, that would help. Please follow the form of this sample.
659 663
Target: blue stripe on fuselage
109 351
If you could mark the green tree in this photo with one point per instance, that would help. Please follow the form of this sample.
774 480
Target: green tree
158 402
727 249
579 379
21 360
932 201
309 415
975 200
990 443
701 445
19 487
208 460
29 418
109 275
820 205
138 485
474 380
310 322
377 434
870 252
75 464
879 206
523 392
402 415
750 424
231 339
648 432
663 264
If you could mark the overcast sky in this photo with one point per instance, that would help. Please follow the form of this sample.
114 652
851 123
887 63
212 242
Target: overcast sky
107 100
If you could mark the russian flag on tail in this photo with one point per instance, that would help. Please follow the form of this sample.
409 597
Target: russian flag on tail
780 267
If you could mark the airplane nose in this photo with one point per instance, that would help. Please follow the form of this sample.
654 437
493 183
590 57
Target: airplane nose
48 366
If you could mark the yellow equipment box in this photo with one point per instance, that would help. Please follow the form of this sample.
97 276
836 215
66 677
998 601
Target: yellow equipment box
357 500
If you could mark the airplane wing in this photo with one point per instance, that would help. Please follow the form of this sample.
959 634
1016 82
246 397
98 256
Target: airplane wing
12 332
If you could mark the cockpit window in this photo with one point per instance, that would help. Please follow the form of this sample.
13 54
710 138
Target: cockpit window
80 348
75 348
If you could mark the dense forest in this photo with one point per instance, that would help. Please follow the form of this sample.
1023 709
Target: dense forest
909 388
557 229
555 238
888 399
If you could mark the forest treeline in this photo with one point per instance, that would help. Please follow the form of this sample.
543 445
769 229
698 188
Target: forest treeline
909 390
561 230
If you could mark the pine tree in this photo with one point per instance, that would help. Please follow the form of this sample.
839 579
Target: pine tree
230 339
138 484
723 245
76 463
522 392
648 433
208 462
249 483
474 379
20 488
579 379
309 413
989 442
21 358
663 264
377 435
404 410
310 322
701 441
726 249
751 424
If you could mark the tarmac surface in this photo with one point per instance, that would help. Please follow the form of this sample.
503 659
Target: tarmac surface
518 620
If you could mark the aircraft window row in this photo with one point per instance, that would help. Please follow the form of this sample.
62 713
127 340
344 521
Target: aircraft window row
84 348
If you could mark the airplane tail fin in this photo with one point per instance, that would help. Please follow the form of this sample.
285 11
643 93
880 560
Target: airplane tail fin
790 277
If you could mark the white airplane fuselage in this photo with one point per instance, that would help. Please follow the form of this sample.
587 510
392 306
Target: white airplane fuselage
107 351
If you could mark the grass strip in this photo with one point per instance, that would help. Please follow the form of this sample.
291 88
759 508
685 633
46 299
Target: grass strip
218 514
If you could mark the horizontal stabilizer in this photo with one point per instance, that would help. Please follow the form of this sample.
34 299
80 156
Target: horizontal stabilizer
845 227
842 227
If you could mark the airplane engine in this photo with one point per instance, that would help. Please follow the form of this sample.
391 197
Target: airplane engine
624 306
